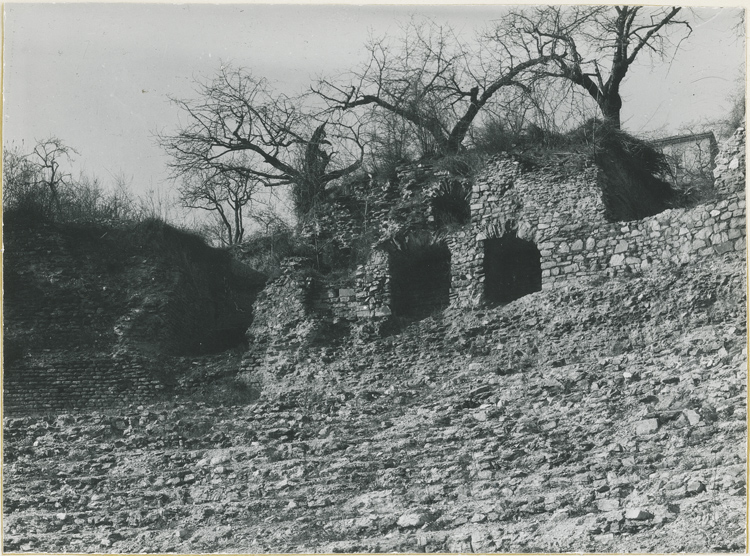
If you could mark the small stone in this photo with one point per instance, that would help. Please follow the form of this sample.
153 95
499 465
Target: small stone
412 520
621 247
613 517
692 417
217 460
616 260
695 487
608 504
647 426
638 514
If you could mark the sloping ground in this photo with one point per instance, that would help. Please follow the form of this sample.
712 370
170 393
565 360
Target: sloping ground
605 417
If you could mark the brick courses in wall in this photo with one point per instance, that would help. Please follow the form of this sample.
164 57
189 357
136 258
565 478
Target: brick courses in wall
72 381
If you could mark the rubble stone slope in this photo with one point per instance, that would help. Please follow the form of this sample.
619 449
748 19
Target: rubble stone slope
601 416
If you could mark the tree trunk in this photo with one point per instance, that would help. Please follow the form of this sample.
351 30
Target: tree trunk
611 109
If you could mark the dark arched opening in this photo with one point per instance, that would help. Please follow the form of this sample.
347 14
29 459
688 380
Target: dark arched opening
420 280
512 269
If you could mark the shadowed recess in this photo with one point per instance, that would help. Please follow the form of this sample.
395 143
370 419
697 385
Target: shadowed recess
420 280
512 269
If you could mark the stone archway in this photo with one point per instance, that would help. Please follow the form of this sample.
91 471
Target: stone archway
512 269
420 280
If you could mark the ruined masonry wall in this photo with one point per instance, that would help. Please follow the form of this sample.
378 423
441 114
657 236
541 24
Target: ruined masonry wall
564 217
294 309
280 313
54 382
729 172
563 214
544 206
59 327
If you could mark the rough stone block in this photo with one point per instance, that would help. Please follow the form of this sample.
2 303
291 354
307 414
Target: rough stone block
647 426
697 245
617 260
608 504
383 312
692 417
621 247
638 514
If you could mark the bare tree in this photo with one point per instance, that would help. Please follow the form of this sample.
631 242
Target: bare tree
596 46
20 177
40 176
48 154
240 126
436 81
226 193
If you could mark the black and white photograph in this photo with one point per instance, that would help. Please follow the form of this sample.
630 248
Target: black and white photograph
378 278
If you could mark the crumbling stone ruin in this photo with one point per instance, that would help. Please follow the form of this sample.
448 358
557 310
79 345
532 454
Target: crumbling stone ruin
524 229
579 386
528 229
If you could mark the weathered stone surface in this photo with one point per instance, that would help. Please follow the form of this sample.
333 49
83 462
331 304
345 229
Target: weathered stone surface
608 504
692 417
638 514
412 520
647 426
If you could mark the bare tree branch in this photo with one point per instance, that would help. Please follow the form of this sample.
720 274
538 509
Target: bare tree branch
238 124
586 40
434 81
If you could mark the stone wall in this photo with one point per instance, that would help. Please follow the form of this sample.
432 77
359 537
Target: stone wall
299 308
373 287
729 173
282 315
564 216
48 382
559 209
546 207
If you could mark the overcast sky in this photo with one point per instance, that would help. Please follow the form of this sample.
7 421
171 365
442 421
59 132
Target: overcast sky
98 76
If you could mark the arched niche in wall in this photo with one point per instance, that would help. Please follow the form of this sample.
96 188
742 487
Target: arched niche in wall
512 269
420 279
